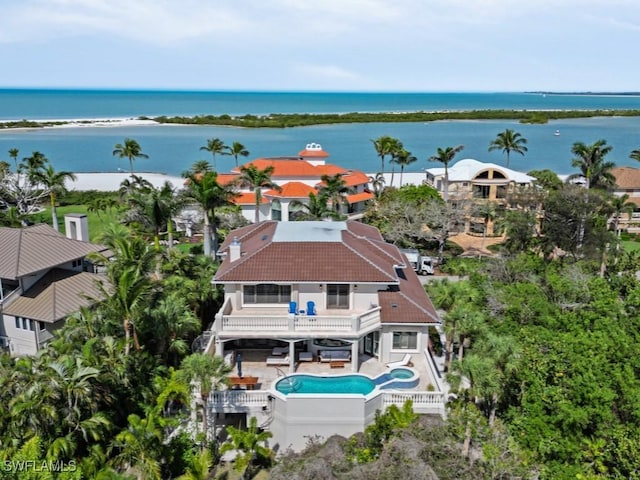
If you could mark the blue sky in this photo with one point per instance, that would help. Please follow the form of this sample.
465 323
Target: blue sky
322 45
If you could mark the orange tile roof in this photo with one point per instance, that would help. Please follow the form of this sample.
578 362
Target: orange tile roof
359 197
627 177
313 153
355 177
248 198
227 178
292 190
289 167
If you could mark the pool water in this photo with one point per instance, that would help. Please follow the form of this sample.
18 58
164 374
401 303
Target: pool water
342 384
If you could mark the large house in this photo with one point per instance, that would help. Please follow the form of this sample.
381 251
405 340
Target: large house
628 183
473 183
297 177
324 297
44 277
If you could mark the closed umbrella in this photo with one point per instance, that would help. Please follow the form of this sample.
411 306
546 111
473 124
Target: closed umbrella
239 364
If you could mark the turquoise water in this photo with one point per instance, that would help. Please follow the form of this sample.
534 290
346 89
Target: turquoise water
342 384
172 149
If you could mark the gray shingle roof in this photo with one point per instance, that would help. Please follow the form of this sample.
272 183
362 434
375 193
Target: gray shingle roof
56 295
39 247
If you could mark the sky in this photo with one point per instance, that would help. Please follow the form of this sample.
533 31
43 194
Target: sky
322 45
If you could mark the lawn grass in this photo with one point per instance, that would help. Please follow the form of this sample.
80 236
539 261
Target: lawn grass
95 222
630 245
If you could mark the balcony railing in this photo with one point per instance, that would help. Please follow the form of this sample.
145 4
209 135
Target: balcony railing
298 323
423 402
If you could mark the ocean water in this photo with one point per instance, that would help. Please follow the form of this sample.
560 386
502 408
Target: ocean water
172 149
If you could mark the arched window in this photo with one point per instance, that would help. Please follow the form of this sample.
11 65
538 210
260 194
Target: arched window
276 210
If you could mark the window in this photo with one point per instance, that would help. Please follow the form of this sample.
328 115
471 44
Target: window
337 296
405 340
25 323
267 293
276 210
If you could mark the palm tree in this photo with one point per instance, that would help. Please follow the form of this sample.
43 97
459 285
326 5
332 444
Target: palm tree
131 150
200 167
316 209
593 167
509 141
336 190
251 447
13 154
237 149
54 183
209 373
215 146
403 158
256 179
199 466
140 445
385 145
377 182
445 156
209 194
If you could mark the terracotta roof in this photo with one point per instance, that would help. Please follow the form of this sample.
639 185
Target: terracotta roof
355 177
359 197
32 249
227 178
248 198
56 295
627 178
292 190
313 151
290 167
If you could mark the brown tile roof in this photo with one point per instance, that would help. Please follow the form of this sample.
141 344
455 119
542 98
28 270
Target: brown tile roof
39 247
627 177
56 295
360 255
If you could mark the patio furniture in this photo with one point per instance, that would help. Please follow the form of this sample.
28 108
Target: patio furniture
336 364
335 356
305 357
276 361
293 308
277 351
247 382
311 308
400 363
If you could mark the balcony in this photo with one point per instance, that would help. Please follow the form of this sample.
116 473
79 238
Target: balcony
258 323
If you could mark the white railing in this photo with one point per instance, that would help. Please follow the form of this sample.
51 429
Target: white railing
11 295
423 402
237 400
298 323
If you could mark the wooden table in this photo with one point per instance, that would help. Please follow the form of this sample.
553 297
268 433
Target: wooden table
336 364
248 382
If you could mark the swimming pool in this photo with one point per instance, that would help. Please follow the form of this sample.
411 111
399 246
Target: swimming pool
346 384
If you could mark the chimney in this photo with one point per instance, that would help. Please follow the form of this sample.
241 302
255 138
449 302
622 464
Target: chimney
234 250
76 227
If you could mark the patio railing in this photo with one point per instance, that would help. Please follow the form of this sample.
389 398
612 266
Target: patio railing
298 323
423 402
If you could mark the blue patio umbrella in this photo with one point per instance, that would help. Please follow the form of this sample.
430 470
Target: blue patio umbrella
239 364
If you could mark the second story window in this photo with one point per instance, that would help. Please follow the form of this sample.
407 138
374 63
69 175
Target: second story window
337 296
267 293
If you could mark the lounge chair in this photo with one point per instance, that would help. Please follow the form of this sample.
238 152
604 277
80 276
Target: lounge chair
311 308
335 356
279 351
400 363
274 361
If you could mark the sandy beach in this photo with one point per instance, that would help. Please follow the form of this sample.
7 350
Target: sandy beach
110 182
85 122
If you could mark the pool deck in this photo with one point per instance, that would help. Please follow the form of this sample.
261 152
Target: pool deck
254 364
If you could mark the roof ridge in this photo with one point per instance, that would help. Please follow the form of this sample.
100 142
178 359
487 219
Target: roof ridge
410 299
364 257
18 256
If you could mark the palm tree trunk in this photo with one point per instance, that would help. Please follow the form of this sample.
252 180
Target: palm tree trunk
207 234
258 200
54 213
170 233
127 336
393 171
401 174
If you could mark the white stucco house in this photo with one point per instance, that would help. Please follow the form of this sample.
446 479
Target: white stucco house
298 176
330 299
44 277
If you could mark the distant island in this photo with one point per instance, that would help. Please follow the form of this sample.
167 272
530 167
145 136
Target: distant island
603 94
288 120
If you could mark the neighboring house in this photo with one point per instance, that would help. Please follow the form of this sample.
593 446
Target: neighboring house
298 177
44 277
321 291
628 182
472 183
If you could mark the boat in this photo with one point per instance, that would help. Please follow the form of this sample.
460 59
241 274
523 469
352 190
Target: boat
557 133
